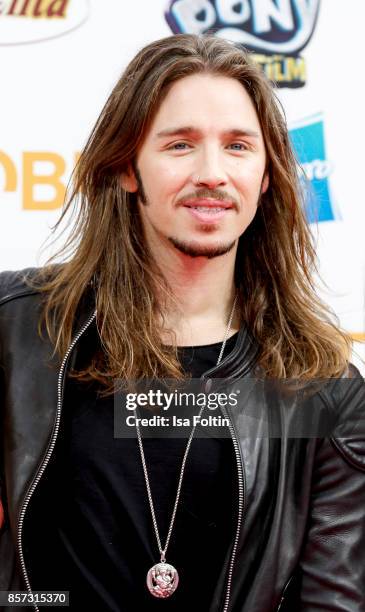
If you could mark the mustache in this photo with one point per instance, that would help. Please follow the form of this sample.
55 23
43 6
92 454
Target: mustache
215 194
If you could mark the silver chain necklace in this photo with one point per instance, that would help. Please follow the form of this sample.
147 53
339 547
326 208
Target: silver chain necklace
163 578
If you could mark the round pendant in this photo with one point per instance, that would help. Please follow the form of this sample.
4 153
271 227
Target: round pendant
162 580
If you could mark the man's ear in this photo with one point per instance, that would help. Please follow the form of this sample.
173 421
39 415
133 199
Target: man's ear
128 180
265 183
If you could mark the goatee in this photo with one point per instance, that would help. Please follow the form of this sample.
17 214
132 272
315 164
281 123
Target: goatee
194 249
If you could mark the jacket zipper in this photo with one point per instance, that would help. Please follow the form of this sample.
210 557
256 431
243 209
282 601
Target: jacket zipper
49 452
241 504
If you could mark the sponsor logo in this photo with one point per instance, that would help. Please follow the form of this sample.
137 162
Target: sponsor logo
38 178
39 8
308 140
30 21
275 30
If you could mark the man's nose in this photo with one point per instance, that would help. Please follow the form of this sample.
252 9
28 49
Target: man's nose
210 172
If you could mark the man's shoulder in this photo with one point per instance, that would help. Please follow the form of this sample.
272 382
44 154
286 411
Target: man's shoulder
14 282
18 283
339 390
345 397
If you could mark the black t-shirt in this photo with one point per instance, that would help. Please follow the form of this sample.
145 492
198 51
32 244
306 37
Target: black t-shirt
88 526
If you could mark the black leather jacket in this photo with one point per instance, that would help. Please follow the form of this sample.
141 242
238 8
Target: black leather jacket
299 542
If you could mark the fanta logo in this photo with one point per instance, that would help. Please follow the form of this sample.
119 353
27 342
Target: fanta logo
35 8
281 26
27 21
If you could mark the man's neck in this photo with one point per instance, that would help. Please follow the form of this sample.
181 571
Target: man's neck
204 290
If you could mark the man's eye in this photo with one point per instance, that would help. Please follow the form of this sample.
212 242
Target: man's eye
179 146
238 146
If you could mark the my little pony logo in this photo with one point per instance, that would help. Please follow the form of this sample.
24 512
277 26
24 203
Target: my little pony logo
276 30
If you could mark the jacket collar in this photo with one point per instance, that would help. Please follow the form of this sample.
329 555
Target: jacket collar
240 361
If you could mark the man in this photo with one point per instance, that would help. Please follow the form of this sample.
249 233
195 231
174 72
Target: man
190 257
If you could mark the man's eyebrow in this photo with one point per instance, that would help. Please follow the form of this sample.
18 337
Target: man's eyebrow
178 131
188 130
245 132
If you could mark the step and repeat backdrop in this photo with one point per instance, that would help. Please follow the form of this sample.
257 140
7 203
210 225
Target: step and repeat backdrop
60 59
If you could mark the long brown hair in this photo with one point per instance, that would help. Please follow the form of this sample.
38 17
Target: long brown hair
276 258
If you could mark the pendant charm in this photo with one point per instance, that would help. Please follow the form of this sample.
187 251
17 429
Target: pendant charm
162 580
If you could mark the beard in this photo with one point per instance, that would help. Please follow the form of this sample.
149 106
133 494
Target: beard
194 249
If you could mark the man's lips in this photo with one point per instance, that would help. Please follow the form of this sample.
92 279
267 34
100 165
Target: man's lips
208 210
208 204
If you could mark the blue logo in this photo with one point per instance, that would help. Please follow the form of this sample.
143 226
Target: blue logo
308 141
275 30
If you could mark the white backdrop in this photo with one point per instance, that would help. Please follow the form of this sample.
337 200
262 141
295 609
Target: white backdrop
57 72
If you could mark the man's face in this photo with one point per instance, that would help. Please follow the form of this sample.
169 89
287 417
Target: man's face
201 168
